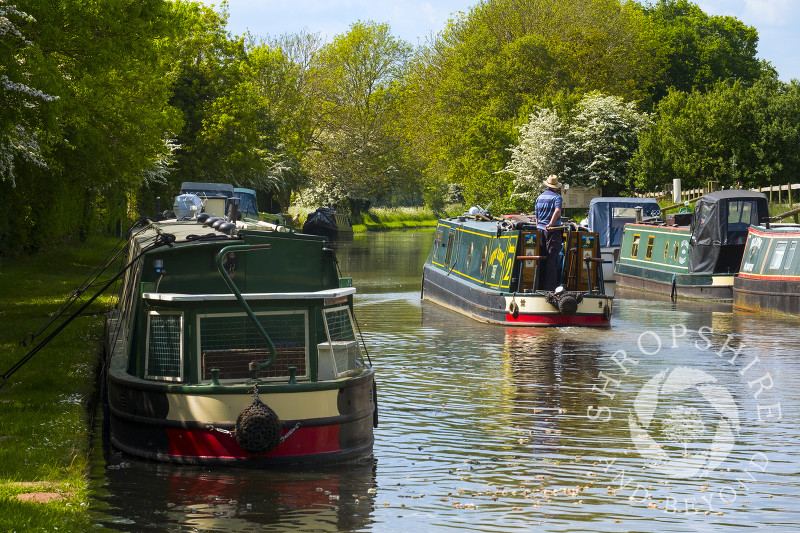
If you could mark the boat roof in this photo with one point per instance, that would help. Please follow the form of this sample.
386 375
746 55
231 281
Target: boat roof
193 232
609 224
207 189
622 201
471 223
717 196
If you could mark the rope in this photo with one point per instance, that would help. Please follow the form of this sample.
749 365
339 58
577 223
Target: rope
162 240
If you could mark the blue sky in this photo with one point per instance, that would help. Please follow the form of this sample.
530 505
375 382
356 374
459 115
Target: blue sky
777 21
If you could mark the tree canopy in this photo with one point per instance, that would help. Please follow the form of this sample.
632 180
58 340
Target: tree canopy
107 104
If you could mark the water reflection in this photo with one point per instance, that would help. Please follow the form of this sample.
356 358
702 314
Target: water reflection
136 495
485 428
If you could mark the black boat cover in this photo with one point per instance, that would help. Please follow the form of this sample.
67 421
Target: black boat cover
321 222
719 229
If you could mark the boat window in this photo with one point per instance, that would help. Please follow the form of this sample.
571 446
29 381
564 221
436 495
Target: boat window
649 252
777 256
230 342
790 257
469 254
437 244
666 250
675 252
164 346
450 238
340 353
741 214
635 246
483 258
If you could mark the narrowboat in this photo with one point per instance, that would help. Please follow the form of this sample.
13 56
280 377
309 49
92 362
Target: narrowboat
215 197
769 277
328 222
608 216
234 343
488 269
692 255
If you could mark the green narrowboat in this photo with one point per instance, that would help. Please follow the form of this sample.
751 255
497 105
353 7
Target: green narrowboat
488 269
234 343
696 260
769 278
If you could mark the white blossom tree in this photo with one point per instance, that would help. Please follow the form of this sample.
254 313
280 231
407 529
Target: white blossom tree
592 147
19 139
538 154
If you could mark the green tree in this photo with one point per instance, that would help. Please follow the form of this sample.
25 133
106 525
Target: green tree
483 75
702 49
358 80
695 136
108 125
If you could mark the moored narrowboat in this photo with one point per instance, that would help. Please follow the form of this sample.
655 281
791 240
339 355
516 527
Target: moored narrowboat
489 269
698 259
330 223
769 277
608 216
234 343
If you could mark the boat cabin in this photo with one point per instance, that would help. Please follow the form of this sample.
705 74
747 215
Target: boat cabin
608 216
719 229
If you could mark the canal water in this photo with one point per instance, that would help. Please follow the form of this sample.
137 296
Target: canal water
679 417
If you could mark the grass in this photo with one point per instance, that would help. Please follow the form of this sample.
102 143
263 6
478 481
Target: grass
45 426
390 218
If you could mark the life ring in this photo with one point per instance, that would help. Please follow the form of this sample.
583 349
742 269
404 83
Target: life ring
258 428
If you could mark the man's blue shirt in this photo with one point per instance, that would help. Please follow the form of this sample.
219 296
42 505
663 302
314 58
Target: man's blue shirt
546 204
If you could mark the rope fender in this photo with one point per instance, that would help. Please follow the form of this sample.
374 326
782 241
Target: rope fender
258 428
565 302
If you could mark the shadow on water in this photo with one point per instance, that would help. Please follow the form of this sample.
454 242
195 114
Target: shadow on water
679 417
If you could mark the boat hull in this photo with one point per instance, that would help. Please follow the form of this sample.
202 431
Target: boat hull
769 280
494 306
758 295
690 286
318 423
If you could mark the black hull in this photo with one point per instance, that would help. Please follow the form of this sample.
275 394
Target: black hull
758 295
722 293
142 421
453 293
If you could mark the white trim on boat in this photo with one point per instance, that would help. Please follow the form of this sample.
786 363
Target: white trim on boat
177 297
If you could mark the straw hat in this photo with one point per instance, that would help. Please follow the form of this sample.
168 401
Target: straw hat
552 182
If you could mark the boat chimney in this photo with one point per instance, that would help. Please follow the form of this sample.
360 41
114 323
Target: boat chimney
638 210
233 212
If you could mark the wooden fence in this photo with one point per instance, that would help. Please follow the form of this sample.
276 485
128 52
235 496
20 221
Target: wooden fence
777 193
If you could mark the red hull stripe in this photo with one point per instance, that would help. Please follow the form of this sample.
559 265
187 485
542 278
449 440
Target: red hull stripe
204 443
775 235
767 277
558 320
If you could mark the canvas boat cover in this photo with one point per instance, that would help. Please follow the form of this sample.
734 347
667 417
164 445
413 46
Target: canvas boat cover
247 202
608 216
184 204
207 190
719 229
321 222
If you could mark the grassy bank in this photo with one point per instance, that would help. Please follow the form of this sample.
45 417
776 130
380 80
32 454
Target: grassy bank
45 424
391 218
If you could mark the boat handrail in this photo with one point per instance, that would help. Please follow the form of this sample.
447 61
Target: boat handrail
252 296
